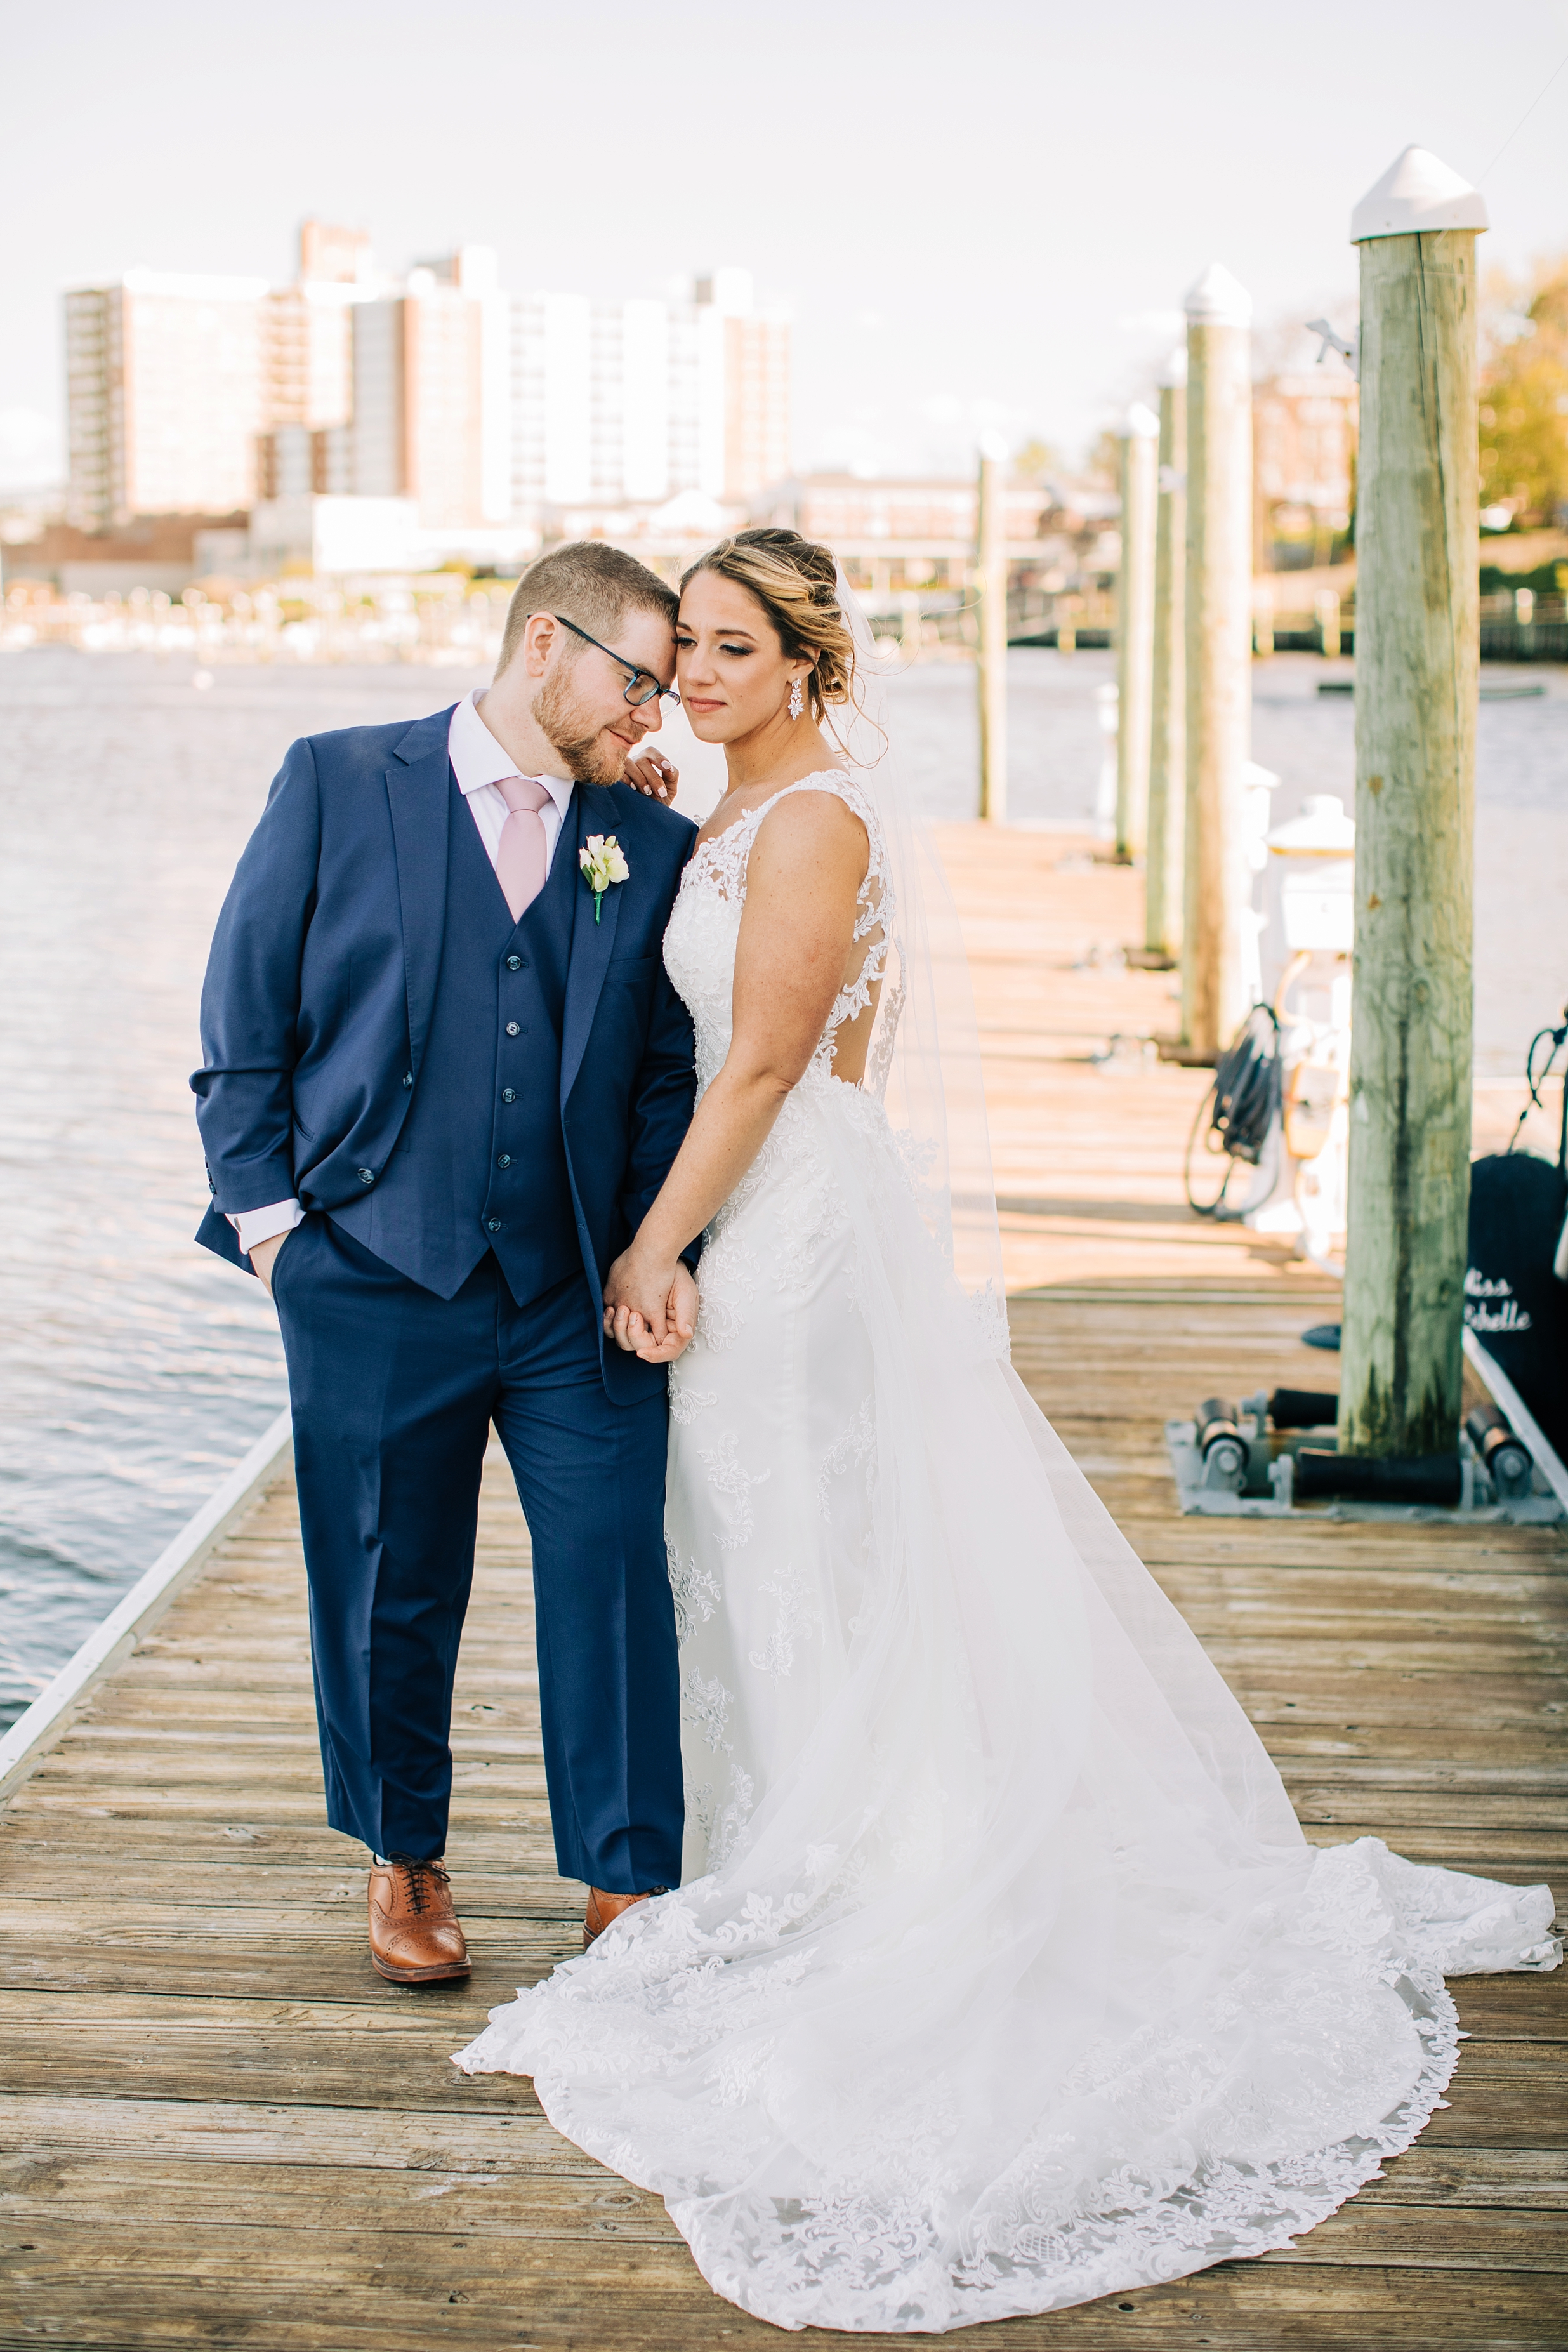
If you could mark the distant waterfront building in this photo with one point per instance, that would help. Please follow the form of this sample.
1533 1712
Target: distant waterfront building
478 409
634 403
432 393
164 395
892 535
1304 464
159 551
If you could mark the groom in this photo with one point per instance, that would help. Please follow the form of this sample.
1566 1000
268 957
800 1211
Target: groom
444 1075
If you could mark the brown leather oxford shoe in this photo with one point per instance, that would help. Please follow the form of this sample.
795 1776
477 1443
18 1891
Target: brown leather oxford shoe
602 1908
415 1938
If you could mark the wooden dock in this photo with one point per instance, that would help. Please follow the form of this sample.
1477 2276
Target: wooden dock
217 2126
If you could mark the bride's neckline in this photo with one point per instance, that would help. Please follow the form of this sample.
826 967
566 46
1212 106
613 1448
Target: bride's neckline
707 840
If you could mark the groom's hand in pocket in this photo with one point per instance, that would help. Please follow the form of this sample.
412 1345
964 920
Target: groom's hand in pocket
264 1257
650 1313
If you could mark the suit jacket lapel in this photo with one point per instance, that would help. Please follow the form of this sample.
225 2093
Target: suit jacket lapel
419 794
591 946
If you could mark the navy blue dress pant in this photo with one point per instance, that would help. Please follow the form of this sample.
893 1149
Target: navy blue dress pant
393 1391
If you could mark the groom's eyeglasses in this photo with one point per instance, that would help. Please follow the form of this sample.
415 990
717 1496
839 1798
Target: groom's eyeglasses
640 686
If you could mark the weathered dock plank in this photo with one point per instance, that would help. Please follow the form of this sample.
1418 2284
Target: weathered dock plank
217 2124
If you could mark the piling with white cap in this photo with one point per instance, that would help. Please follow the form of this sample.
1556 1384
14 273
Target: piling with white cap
1218 625
1138 434
1168 716
1417 650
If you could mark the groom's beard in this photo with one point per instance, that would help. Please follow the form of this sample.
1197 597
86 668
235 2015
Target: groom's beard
595 759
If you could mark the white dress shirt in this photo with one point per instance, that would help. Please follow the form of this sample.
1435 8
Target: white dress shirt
478 762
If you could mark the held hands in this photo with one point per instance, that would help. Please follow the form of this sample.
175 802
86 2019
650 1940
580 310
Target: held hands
650 1311
652 775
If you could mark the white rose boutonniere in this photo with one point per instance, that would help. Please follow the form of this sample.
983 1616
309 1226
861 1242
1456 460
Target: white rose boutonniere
603 861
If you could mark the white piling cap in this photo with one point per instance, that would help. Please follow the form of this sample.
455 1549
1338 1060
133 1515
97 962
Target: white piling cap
1172 375
1140 424
1417 193
1218 300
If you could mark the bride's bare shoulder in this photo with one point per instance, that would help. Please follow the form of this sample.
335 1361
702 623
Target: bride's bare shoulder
812 824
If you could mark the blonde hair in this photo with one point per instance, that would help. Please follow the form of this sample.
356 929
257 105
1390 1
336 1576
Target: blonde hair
796 581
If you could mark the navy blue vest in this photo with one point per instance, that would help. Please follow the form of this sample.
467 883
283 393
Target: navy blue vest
480 1164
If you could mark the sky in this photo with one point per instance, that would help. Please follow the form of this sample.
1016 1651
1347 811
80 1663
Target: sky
982 216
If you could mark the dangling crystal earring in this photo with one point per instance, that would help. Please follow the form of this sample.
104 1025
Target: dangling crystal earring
797 699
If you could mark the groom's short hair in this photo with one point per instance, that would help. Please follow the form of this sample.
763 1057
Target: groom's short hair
591 582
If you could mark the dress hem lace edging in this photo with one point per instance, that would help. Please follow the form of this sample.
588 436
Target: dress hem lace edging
868 2265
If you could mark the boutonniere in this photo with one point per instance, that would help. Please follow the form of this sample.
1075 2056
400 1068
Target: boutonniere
604 862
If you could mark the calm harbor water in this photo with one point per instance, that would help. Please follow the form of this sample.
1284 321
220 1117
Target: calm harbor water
136 1369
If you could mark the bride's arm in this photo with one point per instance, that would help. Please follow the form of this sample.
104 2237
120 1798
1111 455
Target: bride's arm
797 928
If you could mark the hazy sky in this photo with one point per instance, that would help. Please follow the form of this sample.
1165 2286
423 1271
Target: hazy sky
981 214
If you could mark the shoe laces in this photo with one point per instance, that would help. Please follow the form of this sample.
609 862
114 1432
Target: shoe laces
416 1878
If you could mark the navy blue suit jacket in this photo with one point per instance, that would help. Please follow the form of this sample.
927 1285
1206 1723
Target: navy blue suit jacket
323 974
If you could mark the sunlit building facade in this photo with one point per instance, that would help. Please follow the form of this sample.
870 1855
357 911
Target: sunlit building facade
483 409
633 403
165 397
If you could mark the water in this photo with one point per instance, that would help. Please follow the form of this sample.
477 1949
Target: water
136 1369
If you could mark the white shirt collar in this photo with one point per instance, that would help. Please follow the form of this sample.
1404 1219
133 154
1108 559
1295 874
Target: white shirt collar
477 759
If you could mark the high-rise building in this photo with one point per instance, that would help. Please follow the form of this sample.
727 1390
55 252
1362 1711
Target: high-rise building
634 402
431 393
308 332
198 395
164 395
330 256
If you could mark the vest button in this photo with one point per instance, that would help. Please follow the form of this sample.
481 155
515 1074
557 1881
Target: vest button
508 1094
514 964
366 1175
513 1029
505 1160
492 1225
408 1078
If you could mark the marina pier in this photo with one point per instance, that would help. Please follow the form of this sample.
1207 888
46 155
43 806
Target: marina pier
219 2126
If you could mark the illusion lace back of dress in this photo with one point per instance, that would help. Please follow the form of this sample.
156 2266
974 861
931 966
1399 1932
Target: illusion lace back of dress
1000 1976
699 947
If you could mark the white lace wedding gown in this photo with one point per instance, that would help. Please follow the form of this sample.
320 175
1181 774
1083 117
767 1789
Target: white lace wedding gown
1002 1976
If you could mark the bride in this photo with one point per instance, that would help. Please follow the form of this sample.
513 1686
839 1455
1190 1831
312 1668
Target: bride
1001 1975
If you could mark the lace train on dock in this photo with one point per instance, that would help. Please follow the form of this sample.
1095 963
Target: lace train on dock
1004 1977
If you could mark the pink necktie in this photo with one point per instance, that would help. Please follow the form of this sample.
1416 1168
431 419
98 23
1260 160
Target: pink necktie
520 856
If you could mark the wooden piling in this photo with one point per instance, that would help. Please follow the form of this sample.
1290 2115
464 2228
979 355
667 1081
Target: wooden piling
1219 627
1417 651
991 576
1167 713
1327 606
1138 435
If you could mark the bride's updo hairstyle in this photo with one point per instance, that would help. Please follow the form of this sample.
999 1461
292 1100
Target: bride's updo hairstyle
795 581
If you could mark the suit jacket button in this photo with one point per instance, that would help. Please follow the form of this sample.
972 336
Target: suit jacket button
508 1094
367 1175
513 1029
408 1077
492 1225
514 964
505 1160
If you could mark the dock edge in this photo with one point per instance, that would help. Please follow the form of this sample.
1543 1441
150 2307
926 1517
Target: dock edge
54 1710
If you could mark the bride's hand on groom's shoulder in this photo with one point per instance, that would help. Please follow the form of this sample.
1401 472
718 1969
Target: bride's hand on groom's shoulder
650 1311
654 775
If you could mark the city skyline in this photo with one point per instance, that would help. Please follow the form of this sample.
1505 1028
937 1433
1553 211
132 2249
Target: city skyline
468 406
982 219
